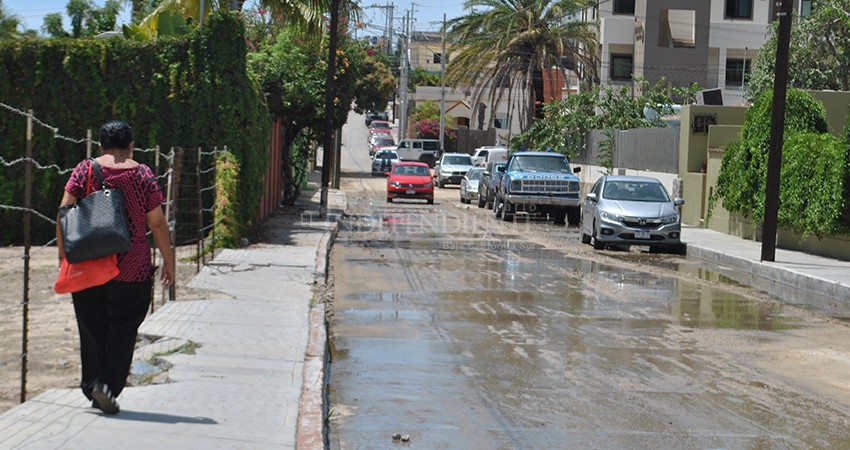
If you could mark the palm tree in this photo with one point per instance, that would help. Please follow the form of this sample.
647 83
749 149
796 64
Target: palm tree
509 43
9 23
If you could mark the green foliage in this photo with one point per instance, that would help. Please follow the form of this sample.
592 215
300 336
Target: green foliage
566 123
226 228
815 168
189 93
421 77
427 110
819 56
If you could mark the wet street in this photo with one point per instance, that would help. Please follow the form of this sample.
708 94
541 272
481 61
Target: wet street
461 331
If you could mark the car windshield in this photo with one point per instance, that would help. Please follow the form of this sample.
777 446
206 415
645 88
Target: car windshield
474 174
386 155
458 159
384 141
421 171
530 163
635 191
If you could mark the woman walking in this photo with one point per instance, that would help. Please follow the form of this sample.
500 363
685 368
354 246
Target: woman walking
109 316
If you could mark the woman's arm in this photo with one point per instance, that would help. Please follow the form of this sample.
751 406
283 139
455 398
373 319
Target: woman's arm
67 199
159 228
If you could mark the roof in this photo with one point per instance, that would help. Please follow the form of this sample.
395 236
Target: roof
412 163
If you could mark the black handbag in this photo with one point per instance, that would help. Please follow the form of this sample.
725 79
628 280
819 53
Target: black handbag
96 225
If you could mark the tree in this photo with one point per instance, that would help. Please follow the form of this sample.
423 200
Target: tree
9 23
86 19
53 26
819 51
566 123
510 43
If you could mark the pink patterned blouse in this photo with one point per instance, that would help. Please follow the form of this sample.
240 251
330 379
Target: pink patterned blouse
141 195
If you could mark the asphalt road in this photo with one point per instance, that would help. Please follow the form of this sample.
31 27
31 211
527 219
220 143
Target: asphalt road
461 331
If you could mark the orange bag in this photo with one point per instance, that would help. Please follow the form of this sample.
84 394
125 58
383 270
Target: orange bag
85 274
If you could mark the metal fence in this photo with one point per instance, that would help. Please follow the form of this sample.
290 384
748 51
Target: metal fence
31 328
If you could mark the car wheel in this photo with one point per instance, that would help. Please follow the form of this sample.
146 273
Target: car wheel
430 201
497 208
573 215
481 202
597 244
389 200
507 215
559 216
440 183
585 238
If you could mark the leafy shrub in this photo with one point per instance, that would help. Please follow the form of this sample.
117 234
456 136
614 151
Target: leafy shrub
814 173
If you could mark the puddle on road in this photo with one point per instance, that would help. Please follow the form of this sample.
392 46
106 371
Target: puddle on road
585 287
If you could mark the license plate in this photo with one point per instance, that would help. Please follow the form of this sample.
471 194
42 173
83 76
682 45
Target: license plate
411 192
641 234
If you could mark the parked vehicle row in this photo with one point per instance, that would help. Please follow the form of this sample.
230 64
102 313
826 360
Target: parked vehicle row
618 211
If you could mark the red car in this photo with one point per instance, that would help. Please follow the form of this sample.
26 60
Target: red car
410 179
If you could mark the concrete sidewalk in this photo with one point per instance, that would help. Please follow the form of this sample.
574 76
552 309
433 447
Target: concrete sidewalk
818 283
256 378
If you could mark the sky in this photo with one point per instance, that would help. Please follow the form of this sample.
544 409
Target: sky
427 17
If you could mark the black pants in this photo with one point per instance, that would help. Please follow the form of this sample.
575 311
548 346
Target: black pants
108 317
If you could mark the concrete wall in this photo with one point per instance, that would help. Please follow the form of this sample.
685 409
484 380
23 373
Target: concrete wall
693 143
837 106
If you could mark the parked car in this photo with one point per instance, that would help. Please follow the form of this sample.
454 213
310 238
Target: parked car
383 161
410 180
375 115
482 155
380 142
469 185
541 184
623 211
451 168
383 124
487 184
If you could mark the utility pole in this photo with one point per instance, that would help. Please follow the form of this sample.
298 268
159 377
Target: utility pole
777 129
443 90
402 122
330 93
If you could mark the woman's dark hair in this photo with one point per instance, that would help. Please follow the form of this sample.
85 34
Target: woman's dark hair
116 134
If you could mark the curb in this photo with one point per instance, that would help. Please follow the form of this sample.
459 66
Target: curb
776 280
310 431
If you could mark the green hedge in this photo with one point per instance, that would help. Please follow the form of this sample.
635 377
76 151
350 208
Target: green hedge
815 171
190 93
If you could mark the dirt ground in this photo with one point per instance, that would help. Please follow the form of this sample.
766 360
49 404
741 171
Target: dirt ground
52 345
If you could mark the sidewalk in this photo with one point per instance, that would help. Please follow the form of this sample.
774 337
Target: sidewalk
256 379
819 283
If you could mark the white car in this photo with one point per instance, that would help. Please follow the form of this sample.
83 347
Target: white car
383 161
480 156
452 167
469 185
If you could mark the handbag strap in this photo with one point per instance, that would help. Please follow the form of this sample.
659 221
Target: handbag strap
88 181
95 166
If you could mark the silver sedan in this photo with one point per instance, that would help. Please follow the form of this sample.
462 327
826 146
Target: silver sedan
622 211
469 185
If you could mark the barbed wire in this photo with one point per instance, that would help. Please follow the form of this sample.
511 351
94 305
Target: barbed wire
208 188
36 164
49 127
208 170
21 208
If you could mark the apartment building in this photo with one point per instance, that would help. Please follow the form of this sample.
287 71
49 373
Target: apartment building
709 42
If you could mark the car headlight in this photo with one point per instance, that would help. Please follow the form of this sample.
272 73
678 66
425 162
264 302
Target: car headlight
427 185
670 219
395 184
446 172
611 216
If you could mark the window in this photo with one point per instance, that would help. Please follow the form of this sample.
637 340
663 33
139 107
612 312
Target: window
500 121
805 8
677 28
736 70
739 9
438 57
624 6
621 67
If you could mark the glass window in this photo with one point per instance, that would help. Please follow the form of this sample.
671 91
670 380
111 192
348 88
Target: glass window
438 57
739 9
621 67
430 145
805 8
624 6
458 160
736 69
